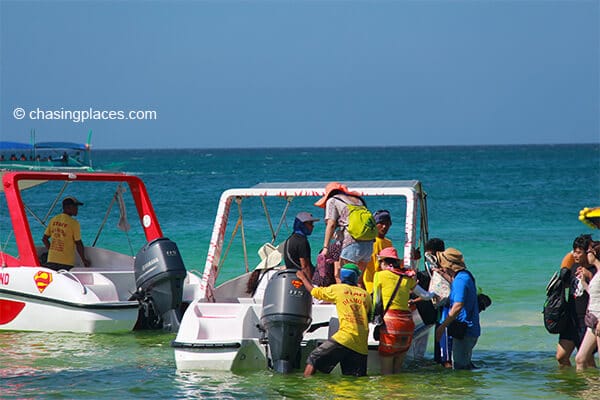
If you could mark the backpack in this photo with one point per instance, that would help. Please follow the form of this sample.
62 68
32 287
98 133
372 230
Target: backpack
361 224
555 307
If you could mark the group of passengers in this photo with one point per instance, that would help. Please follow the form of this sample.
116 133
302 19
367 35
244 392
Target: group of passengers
581 330
357 275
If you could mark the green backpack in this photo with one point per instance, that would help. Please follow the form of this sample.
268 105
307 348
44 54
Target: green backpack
361 224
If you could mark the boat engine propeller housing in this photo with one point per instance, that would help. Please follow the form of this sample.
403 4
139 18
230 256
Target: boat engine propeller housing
159 275
286 314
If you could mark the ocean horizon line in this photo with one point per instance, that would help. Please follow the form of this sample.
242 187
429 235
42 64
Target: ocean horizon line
441 146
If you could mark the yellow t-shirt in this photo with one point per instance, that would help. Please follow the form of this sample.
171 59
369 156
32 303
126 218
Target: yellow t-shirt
353 305
373 265
63 231
387 280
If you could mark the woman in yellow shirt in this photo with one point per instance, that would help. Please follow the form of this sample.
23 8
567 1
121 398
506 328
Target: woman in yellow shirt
397 334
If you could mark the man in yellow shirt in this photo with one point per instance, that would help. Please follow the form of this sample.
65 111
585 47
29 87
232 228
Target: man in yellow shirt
384 222
348 346
62 236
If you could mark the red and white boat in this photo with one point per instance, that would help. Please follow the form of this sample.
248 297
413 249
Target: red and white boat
136 278
225 328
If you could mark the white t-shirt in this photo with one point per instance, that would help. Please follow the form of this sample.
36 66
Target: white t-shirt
594 292
337 210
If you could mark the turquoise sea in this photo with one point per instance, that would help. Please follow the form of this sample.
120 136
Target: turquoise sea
512 210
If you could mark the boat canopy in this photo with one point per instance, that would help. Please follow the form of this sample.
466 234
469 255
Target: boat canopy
415 216
7 145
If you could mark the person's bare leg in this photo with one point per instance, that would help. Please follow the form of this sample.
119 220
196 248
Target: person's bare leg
398 362
309 370
586 349
387 364
564 349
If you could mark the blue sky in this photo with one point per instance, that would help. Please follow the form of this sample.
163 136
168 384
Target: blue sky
221 74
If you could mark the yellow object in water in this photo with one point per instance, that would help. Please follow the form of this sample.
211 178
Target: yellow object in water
590 217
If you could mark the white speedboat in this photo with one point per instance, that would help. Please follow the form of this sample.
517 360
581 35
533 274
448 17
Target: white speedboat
225 328
136 278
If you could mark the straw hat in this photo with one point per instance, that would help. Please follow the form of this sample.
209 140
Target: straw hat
451 259
270 256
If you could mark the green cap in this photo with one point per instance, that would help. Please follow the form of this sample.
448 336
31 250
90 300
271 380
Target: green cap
352 267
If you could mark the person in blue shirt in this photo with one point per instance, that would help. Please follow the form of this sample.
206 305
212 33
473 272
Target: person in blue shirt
462 320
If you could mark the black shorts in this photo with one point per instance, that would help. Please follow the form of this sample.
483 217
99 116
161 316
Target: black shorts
57 266
325 357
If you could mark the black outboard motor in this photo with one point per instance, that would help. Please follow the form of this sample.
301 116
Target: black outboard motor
287 313
159 275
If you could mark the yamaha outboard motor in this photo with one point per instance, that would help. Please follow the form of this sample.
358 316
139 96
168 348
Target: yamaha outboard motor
287 313
159 275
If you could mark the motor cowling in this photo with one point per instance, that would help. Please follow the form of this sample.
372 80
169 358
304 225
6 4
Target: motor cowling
159 275
286 314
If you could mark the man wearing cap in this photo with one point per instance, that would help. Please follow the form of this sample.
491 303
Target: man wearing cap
63 236
296 249
464 308
383 219
348 346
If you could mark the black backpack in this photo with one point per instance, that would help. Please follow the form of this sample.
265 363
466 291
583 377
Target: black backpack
555 310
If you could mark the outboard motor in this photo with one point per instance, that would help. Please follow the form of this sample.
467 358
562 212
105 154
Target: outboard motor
159 274
287 313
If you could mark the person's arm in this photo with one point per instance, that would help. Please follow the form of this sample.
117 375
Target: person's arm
307 267
423 294
452 315
307 284
329 230
46 241
81 251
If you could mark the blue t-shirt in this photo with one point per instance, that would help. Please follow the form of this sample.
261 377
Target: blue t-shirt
463 290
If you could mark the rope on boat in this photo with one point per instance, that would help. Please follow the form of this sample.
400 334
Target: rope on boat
110 206
42 221
51 209
275 233
238 200
224 256
264 204
283 215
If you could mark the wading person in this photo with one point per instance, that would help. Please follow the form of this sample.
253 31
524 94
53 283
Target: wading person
348 346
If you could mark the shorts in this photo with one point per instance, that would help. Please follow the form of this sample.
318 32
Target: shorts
325 357
57 266
397 334
358 251
574 331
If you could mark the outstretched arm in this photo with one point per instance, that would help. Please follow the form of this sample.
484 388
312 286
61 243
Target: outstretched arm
307 284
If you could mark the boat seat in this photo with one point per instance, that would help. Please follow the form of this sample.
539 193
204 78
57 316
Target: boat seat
105 292
103 287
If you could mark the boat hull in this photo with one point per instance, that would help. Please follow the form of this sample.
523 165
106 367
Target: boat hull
227 337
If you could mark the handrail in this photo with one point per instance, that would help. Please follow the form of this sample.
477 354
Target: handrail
75 278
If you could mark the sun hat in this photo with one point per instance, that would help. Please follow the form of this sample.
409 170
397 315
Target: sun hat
388 252
382 216
349 274
306 217
331 186
270 256
451 259
71 201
